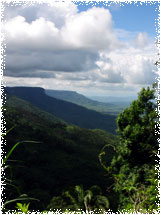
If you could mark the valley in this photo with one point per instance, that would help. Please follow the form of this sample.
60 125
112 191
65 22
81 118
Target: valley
109 108
65 154
69 112
67 150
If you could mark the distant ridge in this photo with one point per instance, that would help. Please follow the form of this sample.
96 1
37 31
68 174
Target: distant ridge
123 101
79 99
73 96
69 112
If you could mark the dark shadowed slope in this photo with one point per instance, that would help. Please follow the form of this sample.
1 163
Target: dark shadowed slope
24 106
64 155
71 113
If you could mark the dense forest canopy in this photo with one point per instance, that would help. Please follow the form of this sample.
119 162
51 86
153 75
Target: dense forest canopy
69 112
63 156
62 166
133 165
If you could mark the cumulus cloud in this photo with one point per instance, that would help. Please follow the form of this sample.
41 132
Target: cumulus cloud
130 65
71 48
91 29
56 12
32 64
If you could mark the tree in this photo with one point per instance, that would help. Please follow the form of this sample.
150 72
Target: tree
133 166
138 130
78 199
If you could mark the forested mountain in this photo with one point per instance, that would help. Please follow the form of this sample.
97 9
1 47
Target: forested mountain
60 164
22 105
63 155
76 98
71 113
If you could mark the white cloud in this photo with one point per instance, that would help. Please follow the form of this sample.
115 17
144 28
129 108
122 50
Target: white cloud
141 40
125 35
56 12
130 65
74 50
92 29
40 34
86 87
41 45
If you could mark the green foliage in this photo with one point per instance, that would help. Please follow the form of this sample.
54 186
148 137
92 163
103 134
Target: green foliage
69 112
133 166
107 150
78 199
22 197
61 159
23 207
13 148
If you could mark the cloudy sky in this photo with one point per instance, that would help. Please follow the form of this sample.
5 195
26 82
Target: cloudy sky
95 49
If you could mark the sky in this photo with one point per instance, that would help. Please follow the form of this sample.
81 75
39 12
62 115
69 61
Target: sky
97 49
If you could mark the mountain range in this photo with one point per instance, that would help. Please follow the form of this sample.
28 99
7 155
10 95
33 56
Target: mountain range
63 155
79 99
121 101
67 111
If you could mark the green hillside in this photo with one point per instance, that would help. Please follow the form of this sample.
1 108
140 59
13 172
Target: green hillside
69 112
76 98
22 105
61 165
64 156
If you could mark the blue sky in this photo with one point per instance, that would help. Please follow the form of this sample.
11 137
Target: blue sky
131 17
